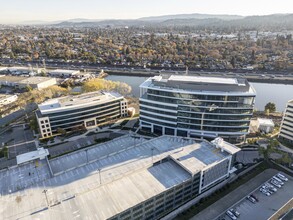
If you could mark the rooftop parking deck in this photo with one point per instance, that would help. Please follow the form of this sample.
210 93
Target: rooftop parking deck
116 175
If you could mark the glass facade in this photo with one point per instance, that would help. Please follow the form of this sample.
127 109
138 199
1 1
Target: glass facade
224 115
73 118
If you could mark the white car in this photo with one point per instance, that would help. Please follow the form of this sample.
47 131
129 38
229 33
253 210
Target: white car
264 191
231 215
251 199
270 187
278 180
275 183
282 177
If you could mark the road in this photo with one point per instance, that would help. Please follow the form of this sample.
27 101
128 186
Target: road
252 75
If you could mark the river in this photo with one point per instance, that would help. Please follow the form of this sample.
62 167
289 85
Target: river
279 94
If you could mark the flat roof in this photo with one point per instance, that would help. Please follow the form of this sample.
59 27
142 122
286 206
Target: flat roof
200 84
198 156
35 80
14 79
40 153
25 79
201 79
119 175
74 101
61 71
266 121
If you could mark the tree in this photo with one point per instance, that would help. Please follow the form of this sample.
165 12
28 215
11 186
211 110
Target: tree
61 131
28 88
271 107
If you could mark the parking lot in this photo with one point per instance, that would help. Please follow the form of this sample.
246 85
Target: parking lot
266 206
23 176
92 154
19 140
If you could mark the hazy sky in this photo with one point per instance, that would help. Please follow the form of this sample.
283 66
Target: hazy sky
12 11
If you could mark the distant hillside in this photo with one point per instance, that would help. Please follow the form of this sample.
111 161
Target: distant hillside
116 23
191 16
268 22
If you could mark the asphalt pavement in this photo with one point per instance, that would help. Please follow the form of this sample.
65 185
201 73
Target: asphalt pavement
233 197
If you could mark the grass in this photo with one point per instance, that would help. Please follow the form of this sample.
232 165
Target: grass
220 193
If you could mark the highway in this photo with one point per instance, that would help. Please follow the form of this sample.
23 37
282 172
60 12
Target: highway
273 76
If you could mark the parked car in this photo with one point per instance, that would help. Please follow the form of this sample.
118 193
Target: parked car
275 183
235 212
278 180
231 215
251 199
264 191
254 196
282 177
271 187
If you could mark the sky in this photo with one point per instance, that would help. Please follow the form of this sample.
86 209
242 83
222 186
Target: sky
14 11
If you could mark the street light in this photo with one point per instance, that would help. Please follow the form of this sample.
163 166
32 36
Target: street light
45 192
210 108
99 169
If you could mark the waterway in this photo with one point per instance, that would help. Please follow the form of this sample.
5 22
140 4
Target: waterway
279 94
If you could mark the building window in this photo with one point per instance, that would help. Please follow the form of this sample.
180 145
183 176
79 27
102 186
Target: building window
43 126
44 131
46 121
47 125
42 122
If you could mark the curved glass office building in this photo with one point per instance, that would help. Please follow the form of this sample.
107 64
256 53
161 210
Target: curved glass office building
196 106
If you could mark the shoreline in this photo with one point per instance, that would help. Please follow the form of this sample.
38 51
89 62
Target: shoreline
283 80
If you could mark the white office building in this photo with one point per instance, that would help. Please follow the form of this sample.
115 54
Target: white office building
76 112
195 106
286 133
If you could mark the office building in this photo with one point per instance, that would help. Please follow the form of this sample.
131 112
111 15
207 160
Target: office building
22 82
195 106
127 178
82 111
286 132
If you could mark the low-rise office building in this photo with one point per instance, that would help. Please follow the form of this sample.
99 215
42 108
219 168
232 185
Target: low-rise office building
82 111
23 82
195 106
286 132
